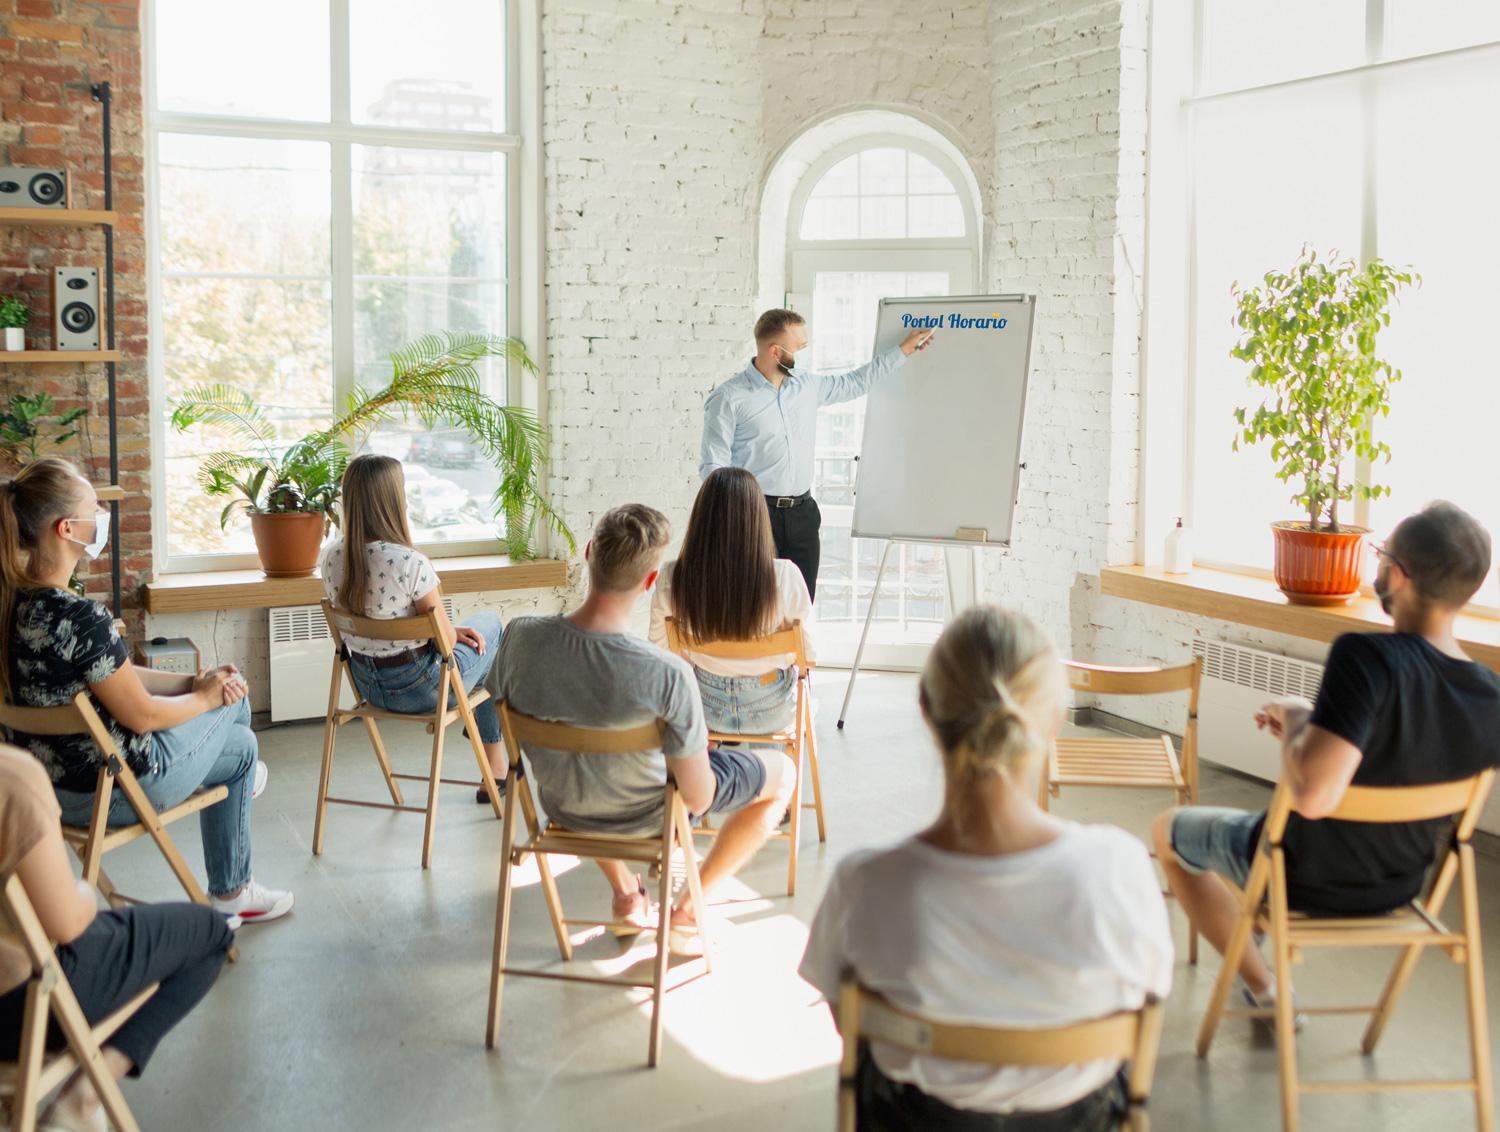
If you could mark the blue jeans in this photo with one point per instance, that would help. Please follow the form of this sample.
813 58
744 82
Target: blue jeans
413 687
213 749
1217 839
748 705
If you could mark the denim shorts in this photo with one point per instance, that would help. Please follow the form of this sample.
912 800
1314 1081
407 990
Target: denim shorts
739 778
748 705
1217 839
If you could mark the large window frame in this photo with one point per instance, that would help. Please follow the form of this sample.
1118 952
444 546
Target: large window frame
1177 92
523 254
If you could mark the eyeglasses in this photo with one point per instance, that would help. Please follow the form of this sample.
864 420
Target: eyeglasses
1382 552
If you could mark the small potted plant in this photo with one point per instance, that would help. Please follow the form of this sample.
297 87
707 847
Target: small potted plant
1309 335
14 315
291 492
28 425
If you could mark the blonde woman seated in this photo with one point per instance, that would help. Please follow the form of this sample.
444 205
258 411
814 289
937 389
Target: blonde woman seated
727 584
997 914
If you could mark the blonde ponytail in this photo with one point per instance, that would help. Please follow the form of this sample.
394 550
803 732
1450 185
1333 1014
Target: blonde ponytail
42 493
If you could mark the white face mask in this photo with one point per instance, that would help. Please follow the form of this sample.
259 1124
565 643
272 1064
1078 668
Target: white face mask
101 534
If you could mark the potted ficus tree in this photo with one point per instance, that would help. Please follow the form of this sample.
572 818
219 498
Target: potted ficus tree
14 315
291 491
1309 334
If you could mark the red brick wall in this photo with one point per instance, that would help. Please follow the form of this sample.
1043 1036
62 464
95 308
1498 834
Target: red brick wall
50 53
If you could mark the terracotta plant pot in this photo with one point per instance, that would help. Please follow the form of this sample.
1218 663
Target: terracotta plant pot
1318 567
288 543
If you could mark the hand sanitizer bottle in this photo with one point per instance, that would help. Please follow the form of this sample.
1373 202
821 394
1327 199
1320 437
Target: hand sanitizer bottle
1179 556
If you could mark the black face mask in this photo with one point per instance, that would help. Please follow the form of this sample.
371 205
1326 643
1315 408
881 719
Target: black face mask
787 364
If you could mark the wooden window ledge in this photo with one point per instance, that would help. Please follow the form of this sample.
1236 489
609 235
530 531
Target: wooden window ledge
1257 602
251 589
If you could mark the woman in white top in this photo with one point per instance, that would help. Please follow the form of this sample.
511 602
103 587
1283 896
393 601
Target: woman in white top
727 584
997 914
391 579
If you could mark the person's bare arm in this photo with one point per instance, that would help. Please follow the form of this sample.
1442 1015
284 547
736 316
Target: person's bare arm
433 600
134 707
1316 764
65 905
695 780
164 683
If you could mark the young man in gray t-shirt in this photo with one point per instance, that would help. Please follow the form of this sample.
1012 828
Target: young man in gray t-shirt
586 669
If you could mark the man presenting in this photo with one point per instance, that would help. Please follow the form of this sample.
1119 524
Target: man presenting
764 419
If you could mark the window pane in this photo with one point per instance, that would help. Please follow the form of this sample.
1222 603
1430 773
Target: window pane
831 218
882 171
935 216
1415 27
1250 42
244 301
925 177
429 256
1254 213
269 61
1439 161
840 181
882 218
451 76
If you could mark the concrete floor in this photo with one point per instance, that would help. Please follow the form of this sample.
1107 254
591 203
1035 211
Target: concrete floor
365 1009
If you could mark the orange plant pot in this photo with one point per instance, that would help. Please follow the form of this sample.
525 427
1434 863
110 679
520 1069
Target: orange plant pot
288 543
1318 567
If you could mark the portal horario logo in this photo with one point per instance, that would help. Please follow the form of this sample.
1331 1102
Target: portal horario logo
953 321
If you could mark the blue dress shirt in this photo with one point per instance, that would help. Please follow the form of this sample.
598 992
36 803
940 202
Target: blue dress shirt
770 432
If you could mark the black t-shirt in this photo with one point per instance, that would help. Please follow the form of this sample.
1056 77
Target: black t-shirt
1418 716
63 643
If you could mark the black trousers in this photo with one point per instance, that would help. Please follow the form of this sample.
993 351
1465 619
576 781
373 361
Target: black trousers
795 530
124 951
891 1106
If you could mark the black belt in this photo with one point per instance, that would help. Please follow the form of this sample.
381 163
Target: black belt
781 502
395 660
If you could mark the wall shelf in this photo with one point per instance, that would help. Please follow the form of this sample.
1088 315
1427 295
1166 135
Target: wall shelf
58 217
43 357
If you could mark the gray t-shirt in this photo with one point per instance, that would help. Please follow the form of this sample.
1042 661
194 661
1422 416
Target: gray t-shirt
551 669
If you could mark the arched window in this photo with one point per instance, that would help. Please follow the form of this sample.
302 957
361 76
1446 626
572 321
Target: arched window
874 213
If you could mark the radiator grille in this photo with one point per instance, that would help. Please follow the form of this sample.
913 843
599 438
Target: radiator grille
1260 671
295 623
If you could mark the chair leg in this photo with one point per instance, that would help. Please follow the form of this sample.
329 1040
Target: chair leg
664 943
149 818
1239 939
817 779
81 1041
385 763
1286 1027
502 910
325 776
436 773
694 883
1401 973
1191 800
486 775
108 890
544 870
1479 1032
27 1098
795 829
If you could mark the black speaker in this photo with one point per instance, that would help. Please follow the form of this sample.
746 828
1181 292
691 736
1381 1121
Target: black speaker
75 308
25 187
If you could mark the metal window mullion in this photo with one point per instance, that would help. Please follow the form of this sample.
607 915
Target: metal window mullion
285 129
1369 215
341 268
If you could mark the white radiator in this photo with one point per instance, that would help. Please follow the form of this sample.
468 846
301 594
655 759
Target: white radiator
302 662
1236 682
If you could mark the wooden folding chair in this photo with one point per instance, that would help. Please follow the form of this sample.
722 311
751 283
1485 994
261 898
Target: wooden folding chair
654 851
1121 761
797 740
1131 1036
94 840
423 627
48 995
1411 928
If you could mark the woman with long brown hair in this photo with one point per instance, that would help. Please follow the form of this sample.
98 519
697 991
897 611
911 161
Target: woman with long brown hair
177 732
389 578
727 584
997 914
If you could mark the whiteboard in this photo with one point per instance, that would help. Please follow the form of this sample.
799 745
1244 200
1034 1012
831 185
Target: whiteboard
942 445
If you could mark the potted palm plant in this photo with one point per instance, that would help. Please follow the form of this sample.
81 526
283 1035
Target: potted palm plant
14 315
291 491
1309 334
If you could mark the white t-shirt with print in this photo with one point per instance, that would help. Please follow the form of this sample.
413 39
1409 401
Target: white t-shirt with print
397 576
1072 930
795 605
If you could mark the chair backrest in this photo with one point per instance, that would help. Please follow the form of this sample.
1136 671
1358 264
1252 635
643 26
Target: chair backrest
20 924
419 627
1112 680
519 728
779 643
76 717
1388 804
1130 1036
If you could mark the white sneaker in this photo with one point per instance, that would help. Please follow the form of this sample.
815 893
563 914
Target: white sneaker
255 904
262 773
1267 1001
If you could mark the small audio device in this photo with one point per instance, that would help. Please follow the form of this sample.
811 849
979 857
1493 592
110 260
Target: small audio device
75 308
25 187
